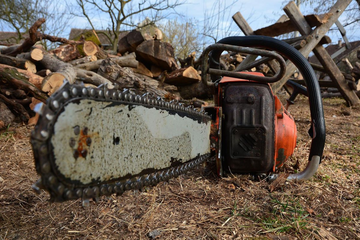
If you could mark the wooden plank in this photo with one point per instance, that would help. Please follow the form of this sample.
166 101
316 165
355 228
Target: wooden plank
300 22
247 30
307 38
343 34
316 35
287 26
242 24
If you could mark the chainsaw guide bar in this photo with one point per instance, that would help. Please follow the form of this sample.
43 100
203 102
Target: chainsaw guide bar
91 142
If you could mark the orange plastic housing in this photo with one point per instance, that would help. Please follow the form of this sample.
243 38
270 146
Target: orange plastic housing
285 134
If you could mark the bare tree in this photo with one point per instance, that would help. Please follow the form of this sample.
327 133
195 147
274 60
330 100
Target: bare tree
184 37
217 22
19 15
122 13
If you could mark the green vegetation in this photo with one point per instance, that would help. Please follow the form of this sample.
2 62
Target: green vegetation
7 134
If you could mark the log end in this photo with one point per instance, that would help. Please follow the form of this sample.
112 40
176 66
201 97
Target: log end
52 83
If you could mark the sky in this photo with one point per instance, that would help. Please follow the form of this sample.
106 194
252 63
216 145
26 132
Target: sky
258 13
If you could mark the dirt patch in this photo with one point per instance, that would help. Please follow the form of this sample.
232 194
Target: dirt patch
199 205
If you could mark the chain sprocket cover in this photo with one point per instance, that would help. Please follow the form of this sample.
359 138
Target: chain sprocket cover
91 142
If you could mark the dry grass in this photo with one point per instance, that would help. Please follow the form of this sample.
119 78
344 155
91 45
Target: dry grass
199 205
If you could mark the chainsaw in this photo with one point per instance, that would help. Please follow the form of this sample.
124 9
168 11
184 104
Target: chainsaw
91 142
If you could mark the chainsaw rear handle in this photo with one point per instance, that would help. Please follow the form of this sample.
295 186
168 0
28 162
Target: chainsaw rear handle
215 62
317 130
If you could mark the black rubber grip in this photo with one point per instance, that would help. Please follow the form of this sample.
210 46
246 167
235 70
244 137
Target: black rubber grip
313 88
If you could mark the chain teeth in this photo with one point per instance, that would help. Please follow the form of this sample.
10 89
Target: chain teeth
41 136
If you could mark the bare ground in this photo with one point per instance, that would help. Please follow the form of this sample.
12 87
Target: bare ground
199 205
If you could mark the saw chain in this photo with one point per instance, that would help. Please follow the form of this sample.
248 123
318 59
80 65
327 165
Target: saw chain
59 167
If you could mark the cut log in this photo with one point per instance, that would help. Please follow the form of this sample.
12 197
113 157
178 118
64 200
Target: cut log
156 71
183 76
10 49
16 108
83 60
110 70
60 71
25 102
142 69
88 48
74 50
13 93
135 38
36 54
158 53
92 78
125 61
196 90
125 78
123 45
43 73
101 54
22 79
187 62
6 116
18 63
66 52
141 84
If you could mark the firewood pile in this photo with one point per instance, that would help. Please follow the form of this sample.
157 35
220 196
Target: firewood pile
351 73
143 64
29 74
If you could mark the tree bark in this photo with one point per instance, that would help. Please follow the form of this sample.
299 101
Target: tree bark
16 108
156 71
183 76
88 48
83 60
197 90
123 46
66 52
126 78
35 55
135 38
158 53
125 61
18 63
13 93
142 69
60 71
92 78
22 79
6 116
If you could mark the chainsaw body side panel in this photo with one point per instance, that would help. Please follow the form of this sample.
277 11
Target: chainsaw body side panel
248 127
258 134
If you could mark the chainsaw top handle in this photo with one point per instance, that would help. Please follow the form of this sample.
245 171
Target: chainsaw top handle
317 130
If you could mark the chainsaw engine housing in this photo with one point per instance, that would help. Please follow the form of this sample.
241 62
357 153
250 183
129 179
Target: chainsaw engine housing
258 134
